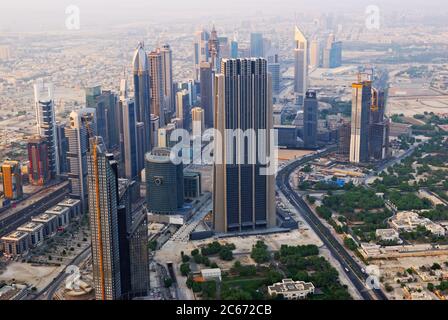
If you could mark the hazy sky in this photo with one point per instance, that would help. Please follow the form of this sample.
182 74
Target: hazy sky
39 15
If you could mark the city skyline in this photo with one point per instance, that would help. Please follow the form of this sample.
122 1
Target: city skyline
224 151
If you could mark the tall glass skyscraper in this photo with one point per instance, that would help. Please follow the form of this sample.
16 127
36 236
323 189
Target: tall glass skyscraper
207 93
46 122
201 51
157 86
361 103
105 103
310 112
103 203
81 128
128 137
256 45
39 169
300 64
142 94
243 196
167 78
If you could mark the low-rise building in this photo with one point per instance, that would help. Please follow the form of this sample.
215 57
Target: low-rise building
291 290
408 221
16 243
36 232
211 274
74 205
391 235
49 221
192 185
63 214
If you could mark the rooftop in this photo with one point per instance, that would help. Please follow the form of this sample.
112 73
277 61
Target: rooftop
16 235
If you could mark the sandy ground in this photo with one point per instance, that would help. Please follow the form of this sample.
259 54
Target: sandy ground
37 276
286 155
412 106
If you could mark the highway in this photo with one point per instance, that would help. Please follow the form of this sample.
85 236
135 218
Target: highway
14 217
352 269
50 290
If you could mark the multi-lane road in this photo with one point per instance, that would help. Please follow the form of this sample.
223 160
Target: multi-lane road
35 205
50 290
353 270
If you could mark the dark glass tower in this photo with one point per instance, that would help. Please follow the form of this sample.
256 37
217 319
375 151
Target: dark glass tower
310 111
142 94
105 104
164 182
243 196
207 93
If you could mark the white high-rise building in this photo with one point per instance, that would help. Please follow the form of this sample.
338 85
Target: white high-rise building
361 103
82 126
300 64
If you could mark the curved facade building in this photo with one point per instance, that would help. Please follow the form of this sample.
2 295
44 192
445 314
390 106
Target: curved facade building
164 182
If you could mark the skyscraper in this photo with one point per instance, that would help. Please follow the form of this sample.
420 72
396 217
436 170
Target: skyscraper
46 122
157 86
62 147
167 78
256 45
332 53
344 134
82 127
315 54
197 117
39 167
129 142
155 125
201 51
361 103
106 105
183 109
224 47
234 48
164 182
142 94
207 93
12 180
310 111
300 64
103 202
213 47
133 242
275 71
379 127
243 198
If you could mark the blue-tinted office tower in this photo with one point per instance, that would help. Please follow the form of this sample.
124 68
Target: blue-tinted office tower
243 197
256 45
128 138
274 70
105 104
234 49
142 94
310 112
